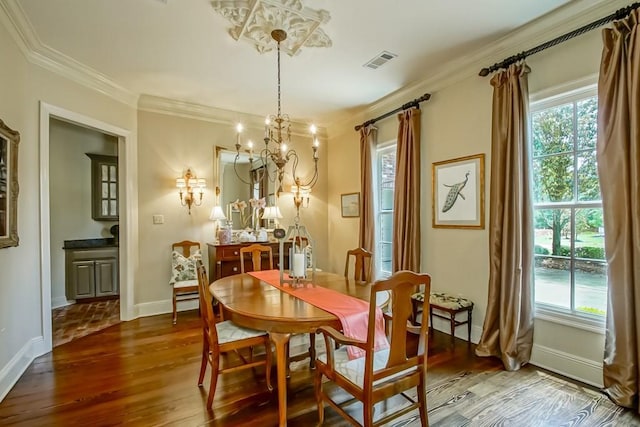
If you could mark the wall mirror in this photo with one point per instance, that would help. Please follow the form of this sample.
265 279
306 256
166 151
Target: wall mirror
9 140
230 179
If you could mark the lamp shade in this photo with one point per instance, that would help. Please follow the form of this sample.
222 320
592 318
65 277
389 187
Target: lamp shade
217 214
271 212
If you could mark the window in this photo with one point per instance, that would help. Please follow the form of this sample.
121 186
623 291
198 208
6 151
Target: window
385 177
570 268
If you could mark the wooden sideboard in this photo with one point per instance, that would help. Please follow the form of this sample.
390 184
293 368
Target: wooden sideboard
224 260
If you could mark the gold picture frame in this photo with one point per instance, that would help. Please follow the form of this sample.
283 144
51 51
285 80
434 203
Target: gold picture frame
9 140
458 193
350 205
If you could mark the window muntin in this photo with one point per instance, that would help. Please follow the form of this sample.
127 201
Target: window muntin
569 264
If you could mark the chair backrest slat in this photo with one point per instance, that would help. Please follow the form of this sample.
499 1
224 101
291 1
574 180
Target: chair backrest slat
402 285
186 246
256 251
362 265
206 307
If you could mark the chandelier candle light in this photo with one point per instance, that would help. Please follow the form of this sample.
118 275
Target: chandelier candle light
277 137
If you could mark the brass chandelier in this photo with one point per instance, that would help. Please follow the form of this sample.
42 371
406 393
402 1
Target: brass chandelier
277 139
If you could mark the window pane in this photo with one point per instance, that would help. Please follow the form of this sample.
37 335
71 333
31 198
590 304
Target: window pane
105 191
591 287
587 111
553 281
553 130
552 231
588 184
112 191
104 173
387 165
385 258
589 234
553 178
386 227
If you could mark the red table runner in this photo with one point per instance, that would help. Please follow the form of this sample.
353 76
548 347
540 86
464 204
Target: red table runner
352 312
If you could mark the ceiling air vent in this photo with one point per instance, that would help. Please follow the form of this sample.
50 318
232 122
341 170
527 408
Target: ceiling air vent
380 60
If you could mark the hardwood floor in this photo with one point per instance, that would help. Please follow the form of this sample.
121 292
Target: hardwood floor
144 373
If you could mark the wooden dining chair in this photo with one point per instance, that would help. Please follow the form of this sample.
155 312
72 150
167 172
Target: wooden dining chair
225 336
362 264
184 281
384 373
256 250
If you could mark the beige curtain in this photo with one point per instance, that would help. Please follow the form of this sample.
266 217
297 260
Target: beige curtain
508 324
406 198
618 154
368 141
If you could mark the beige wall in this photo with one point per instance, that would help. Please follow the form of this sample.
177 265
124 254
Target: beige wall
167 146
70 193
457 122
22 87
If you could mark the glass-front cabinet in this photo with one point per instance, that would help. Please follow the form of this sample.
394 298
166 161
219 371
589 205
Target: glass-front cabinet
104 187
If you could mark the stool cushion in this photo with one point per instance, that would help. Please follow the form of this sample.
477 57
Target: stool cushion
443 299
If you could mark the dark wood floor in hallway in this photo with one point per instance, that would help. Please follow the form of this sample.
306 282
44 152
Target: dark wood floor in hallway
144 373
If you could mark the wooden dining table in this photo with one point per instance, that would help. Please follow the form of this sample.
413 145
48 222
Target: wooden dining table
253 303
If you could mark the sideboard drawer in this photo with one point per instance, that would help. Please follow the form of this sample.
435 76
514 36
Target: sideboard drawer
230 253
224 260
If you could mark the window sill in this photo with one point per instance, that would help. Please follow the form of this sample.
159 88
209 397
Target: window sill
561 317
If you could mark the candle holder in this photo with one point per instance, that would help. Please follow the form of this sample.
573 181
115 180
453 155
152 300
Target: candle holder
301 245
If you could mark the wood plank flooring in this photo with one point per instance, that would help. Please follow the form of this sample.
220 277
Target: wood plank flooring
144 373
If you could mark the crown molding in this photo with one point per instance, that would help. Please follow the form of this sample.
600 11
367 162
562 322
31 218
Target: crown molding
20 28
188 110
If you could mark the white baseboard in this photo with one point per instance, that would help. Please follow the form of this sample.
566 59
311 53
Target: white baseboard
11 373
571 366
163 307
58 302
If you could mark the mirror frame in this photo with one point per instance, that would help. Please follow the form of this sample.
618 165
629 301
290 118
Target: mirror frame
9 188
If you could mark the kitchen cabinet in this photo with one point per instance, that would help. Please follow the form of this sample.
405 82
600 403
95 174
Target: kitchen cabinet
91 272
104 187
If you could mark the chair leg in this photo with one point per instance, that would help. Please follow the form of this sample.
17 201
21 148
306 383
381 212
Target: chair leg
453 329
422 399
368 414
317 383
312 350
205 359
215 366
175 308
268 355
469 329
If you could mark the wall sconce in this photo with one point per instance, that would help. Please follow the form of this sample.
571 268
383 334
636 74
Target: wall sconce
301 195
191 189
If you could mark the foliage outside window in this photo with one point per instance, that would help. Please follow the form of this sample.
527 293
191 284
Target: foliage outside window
570 268
385 183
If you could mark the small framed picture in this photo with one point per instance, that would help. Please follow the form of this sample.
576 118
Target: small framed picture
458 193
350 204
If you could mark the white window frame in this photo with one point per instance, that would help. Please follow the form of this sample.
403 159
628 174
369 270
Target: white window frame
380 148
570 92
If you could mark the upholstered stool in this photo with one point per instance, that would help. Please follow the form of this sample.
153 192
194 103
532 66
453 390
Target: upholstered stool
446 307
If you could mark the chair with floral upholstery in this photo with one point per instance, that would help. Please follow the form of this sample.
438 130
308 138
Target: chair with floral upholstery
184 279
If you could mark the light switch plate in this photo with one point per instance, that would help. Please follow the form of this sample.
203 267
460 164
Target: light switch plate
158 219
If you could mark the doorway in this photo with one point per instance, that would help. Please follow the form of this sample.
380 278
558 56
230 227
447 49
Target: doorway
127 241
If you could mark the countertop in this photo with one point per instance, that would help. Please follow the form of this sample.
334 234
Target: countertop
90 243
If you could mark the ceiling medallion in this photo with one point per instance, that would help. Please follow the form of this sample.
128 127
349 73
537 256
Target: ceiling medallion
253 21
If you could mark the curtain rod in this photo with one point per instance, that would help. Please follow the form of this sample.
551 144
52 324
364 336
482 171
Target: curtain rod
415 103
619 14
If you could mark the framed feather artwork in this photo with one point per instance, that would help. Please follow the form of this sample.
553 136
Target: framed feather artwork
458 193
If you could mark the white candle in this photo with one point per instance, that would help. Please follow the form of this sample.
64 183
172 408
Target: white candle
298 265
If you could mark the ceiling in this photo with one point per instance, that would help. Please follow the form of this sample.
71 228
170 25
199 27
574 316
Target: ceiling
182 49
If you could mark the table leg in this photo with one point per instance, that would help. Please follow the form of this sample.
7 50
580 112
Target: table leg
281 340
